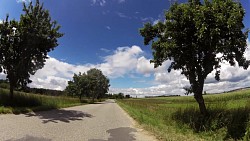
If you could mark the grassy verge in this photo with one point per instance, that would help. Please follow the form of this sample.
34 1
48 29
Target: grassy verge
178 118
26 102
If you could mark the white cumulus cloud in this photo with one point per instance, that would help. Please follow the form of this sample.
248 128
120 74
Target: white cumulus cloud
99 2
21 1
232 77
123 61
55 73
121 1
108 27
128 62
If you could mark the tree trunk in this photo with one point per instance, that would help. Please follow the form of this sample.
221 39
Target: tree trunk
11 91
199 98
93 99
197 89
80 98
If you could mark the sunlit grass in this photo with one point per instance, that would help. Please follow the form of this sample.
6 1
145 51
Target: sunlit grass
26 102
178 118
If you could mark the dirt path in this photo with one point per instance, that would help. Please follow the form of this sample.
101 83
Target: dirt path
96 122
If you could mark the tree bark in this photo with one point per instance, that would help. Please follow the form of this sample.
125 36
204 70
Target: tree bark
198 89
199 98
11 91
80 98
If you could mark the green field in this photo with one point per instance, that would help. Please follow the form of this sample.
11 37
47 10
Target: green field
27 102
178 118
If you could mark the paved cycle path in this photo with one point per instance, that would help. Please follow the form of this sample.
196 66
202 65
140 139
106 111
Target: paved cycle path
104 121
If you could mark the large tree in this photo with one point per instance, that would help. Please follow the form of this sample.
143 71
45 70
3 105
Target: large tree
24 44
197 37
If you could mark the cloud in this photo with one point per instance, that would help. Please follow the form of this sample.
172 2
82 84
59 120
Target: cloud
130 62
172 83
147 19
108 27
144 66
2 75
105 50
156 22
247 54
55 74
163 89
123 61
21 1
122 15
121 1
99 2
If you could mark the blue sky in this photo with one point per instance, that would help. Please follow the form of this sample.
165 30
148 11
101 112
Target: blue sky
105 34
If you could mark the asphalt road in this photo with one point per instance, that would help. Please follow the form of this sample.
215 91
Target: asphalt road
95 122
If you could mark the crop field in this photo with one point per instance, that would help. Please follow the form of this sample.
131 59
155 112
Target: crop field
178 118
27 102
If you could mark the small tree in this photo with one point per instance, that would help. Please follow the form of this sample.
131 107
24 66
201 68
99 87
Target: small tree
91 84
193 35
79 86
127 96
24 44
120 95
99 83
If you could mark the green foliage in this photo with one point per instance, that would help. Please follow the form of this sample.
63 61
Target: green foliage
24 44
178 118
78 86
27 102
197 37
99 83
91 84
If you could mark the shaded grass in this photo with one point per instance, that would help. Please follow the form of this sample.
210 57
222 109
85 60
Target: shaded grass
178 118
234 121
26 102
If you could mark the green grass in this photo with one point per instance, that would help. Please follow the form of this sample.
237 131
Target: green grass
27 102
178 118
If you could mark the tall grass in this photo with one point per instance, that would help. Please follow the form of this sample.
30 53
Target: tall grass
178 118
26 102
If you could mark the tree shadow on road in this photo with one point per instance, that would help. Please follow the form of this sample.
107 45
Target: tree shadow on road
59 115
119 134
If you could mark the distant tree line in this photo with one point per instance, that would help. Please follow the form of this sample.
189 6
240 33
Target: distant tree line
162 96
70 90
43 91
5 85
118 96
